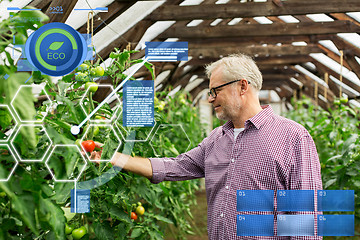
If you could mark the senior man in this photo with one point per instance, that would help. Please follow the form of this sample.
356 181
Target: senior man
254 150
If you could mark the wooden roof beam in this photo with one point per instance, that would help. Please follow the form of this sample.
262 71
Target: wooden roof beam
269 50
247 41
252 30
253 9
283 60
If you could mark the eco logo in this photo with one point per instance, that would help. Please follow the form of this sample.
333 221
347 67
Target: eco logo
56 49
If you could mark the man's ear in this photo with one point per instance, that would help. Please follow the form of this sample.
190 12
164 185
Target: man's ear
244 86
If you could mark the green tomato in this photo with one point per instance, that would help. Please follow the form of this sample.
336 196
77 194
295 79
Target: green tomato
83 67
337 102
99 71
68 229
3 194
79 76
140 210
79 232
93 72
93 87
344 100
96 131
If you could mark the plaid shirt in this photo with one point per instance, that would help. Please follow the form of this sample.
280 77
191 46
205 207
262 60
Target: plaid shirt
271 153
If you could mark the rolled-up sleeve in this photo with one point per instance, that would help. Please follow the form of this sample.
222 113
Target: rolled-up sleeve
186 166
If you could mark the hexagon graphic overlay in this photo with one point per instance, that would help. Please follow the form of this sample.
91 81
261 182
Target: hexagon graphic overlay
104 131
7 123
22 143
18 106
8 162
66 163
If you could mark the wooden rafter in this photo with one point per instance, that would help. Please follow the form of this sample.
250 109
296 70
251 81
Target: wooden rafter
253 9
268 50
275 29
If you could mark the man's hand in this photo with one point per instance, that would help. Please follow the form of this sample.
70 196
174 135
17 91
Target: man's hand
138 165
96 155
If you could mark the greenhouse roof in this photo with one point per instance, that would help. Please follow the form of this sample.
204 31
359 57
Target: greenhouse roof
296 43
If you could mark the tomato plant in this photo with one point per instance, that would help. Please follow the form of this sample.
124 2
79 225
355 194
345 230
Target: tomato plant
34 205
336 134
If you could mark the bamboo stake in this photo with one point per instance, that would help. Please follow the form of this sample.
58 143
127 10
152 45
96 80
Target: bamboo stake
341 67
316 93
92 29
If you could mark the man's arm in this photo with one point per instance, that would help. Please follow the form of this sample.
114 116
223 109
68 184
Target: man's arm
138 165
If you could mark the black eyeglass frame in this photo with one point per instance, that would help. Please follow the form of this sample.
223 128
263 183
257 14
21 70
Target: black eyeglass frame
212 91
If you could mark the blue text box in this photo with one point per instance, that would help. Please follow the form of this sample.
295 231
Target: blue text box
166 51
335 225
138 103
295 225
82 201
255 200
335 200
295 200
255 225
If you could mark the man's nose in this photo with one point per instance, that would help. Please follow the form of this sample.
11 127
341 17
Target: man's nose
211 99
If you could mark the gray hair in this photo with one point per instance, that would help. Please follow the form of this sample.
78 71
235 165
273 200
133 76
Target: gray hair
237 66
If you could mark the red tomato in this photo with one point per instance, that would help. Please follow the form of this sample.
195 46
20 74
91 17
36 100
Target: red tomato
133 216
88 145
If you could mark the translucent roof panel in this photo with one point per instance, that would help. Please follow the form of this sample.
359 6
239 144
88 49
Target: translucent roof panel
335 66
263 20
153 31
79 17
124 22
330 45
288 19
191 2
320 17
354 15
353 38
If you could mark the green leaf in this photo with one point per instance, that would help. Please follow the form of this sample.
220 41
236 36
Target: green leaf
55 46
24 205
68 214
119 214
103 231
24 103
57 223
136 232
329 183
163 219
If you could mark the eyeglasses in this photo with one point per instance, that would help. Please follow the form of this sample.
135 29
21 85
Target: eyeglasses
213 93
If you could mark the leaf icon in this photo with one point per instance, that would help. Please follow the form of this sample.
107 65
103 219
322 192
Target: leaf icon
55 46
